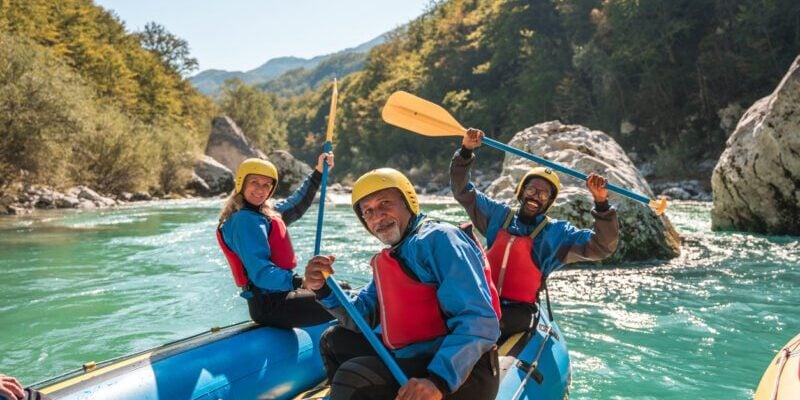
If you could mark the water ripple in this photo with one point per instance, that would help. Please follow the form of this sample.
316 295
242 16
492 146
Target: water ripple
91 285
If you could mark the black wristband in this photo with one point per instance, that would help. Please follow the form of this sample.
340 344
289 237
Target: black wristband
602 206
297 281
440 383
323 292
465 153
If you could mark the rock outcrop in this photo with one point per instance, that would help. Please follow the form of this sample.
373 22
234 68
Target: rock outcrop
643 235
228 145
46 198
756 183
691 189
291 172
211 177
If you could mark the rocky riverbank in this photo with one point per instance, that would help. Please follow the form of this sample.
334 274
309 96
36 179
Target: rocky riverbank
228 146
25 199
33 197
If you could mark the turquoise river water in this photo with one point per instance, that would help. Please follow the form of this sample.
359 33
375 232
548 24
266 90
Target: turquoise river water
78 286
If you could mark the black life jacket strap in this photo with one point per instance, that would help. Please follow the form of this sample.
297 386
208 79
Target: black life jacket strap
543 287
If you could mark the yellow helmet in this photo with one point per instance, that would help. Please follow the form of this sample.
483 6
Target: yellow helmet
255 166
384 178
540 172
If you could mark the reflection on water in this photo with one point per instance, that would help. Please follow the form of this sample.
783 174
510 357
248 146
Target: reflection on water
703 325
77 286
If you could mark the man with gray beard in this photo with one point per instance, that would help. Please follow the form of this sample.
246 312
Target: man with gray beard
430 295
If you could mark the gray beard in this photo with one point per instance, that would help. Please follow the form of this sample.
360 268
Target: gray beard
390 236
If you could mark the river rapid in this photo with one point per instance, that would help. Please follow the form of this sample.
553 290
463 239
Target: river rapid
78 286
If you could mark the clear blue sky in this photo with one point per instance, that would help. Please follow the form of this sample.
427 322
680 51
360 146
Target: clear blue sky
239 35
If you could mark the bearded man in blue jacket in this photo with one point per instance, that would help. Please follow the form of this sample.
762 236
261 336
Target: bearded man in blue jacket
525 245
430 295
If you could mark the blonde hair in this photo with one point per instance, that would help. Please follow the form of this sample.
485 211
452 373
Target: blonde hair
235 202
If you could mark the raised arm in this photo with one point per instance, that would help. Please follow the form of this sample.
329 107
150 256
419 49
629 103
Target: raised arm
481 209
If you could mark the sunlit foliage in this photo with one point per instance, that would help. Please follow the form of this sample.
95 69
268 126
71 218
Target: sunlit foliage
83 101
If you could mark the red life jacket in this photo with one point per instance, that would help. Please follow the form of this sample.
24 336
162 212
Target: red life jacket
237 269
409 309
514 273
487 272
280 246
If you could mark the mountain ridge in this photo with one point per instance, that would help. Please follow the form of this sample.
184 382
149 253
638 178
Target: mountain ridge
210 81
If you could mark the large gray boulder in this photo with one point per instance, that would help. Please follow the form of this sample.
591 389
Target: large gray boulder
228 145
643 235
756 182
291 172
211 177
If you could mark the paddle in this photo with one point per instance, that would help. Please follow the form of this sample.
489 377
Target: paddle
335 288
326 149
421 116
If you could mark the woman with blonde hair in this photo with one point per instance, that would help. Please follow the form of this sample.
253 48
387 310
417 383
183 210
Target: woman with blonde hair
254 239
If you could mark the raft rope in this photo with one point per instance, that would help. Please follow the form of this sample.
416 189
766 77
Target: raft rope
534 364
791 350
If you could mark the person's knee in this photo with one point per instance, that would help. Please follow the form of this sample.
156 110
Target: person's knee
355 373
362 378
334 344
257 311
265 319
328 338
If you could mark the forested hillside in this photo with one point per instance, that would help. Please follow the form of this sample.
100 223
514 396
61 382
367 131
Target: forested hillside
82 101
299 80
654 74
289 75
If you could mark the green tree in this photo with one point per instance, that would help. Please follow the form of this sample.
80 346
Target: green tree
503 65
254 112
81 101
57 130
39 100
172 50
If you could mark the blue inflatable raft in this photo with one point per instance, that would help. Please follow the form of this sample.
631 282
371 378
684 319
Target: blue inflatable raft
248 361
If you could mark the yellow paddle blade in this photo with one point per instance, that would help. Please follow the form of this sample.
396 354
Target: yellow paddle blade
332 114
418 115
659 206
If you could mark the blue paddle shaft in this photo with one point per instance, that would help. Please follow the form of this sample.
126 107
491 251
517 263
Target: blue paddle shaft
560 168
367 332
322 190
351 309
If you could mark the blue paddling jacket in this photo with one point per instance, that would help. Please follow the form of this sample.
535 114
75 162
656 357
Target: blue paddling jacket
442 255
246 233
558 244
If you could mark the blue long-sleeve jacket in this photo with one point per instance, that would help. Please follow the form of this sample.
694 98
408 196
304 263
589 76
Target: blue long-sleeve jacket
558 244
246 233
442 255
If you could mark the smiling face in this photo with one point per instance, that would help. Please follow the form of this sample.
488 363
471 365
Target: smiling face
257 189
386 215
535 197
